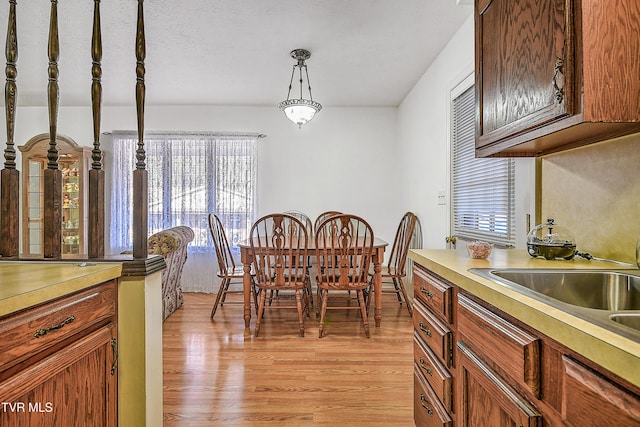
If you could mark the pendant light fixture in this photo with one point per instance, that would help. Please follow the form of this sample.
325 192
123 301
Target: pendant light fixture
300 110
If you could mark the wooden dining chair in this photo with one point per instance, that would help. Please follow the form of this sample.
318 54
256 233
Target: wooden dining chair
228 272
395 270
279 259
322 217
344 248
303 218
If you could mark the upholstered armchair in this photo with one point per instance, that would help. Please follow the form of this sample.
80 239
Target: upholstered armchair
172 244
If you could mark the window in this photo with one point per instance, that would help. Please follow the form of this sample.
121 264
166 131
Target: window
483 200
190 176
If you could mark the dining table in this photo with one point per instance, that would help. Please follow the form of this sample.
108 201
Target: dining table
377 259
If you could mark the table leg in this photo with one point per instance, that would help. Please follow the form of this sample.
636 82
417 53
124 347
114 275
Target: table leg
246 287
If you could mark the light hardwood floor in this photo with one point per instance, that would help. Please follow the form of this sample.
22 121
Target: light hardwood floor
216 373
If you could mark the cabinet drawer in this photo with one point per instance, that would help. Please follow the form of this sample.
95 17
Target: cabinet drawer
434 333
427 410
24 334
589 399
510 350
433 371
434 292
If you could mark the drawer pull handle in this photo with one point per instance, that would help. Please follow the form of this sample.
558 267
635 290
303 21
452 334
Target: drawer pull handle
423 366
425 330
424 404
557 72
426 292
42 332
114 348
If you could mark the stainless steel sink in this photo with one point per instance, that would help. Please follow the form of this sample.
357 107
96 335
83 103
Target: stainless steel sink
602 290
609 298
632 320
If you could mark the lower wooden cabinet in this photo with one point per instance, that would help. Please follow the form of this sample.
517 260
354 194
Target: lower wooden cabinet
427 408
70 380
590 399
486 399
501 372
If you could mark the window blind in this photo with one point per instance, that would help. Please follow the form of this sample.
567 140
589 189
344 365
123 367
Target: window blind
483 201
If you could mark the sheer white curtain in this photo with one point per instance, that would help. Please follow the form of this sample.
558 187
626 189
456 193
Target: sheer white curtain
190 176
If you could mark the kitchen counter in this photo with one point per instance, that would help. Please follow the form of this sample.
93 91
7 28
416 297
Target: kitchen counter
28 283
618 354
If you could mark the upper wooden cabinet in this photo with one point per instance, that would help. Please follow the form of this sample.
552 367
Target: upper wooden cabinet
555 74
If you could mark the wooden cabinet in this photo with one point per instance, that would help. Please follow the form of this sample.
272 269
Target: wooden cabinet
501 372
486 399
434 358
74 163
554 74
58 363
591 399
496 359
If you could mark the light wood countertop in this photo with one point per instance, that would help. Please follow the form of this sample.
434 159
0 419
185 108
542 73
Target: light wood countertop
618 354
27 283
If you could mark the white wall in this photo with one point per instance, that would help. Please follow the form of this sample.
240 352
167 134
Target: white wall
341 160
423 129
424 147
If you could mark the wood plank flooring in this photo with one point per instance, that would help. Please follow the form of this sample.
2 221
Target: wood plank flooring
216 373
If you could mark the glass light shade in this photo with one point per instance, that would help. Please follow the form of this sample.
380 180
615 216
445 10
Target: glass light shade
300 111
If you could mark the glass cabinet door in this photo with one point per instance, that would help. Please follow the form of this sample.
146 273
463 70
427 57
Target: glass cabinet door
34 237
70 206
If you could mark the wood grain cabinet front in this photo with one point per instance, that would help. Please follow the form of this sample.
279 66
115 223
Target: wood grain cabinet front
486 399
427 409
554 74
58 361
434 293
434 340
590 399
501 372
504 346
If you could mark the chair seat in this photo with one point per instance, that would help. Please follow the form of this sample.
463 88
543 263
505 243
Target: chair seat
388 271
235 273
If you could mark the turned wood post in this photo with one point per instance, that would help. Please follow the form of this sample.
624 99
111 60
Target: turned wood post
10 176
53 174
96 228
140 179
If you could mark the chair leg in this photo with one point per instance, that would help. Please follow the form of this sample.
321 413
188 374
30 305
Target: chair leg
254 292
222 291
404 295
397 288
323 312
363 310
299 306
371 294
263 298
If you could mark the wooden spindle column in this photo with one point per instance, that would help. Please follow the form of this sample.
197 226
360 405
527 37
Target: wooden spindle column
53 174
96 228
10 176
140 178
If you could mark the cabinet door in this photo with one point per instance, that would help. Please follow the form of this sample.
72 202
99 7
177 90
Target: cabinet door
486 399
74 386
524 66
590 399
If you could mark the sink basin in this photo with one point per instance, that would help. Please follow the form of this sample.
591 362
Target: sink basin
608 298
631 320
602 290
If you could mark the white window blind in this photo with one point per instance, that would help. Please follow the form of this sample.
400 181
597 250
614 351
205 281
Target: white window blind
483 201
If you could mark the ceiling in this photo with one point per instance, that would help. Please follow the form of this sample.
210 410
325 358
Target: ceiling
236 52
